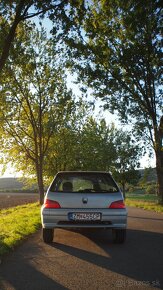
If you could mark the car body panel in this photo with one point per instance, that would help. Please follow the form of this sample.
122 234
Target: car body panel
84 200
59 218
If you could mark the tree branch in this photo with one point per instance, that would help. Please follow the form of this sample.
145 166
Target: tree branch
10 37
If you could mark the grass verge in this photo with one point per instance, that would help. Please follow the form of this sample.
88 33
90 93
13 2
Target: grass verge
144 202
16 223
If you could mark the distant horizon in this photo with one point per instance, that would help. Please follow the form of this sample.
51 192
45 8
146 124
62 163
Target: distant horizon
20 176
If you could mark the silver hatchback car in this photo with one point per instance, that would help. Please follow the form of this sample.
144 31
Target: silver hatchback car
84 199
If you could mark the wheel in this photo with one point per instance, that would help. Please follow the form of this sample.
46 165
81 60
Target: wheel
47 235
119 235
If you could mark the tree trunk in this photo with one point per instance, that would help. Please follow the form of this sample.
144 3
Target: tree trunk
40 183
41 190
159 170
159 161
10 37
124 190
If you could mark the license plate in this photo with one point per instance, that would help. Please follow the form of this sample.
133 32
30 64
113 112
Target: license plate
79 216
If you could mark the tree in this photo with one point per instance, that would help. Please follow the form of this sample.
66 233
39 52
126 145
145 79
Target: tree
97 150
128 155
82 144
119 52
65 145
148 177
35 102
90 144
15 12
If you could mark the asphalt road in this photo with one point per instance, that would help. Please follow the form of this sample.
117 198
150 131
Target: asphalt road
89 260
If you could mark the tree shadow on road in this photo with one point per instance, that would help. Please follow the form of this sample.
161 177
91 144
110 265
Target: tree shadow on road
18 273
140 258
34 266
26 277
145 218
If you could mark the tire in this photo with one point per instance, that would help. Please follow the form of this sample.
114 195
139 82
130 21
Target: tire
119 236
47 235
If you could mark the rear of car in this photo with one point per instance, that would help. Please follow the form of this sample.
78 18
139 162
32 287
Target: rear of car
84 200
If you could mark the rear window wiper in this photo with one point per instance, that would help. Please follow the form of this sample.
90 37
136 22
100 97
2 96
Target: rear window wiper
97 191
86 190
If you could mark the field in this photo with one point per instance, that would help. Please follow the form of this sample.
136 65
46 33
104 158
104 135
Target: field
12 184
141 196
8 200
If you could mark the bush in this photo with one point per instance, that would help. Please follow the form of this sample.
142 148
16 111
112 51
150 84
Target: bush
136 190
151 189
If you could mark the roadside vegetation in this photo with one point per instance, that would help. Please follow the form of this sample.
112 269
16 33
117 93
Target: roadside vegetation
143 200
143 193
16 224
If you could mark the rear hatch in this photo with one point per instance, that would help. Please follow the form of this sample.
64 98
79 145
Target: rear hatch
85 190
84 200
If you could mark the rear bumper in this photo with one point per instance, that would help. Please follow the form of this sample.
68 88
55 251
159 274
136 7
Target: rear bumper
58 218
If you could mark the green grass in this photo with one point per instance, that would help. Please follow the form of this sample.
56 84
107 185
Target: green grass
142 197
17 223
145 201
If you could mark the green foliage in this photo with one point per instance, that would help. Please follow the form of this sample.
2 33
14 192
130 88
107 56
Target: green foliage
97 151
135 189
86 144
148 177
89 144
122 50
16 224
151 189
64 144
13 13
128 155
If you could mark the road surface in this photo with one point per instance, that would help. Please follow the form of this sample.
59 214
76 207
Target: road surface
89 260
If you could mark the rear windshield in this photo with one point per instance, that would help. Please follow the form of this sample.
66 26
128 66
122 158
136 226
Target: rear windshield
84 182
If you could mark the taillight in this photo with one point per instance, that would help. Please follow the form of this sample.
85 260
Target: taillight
51 204
117 204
